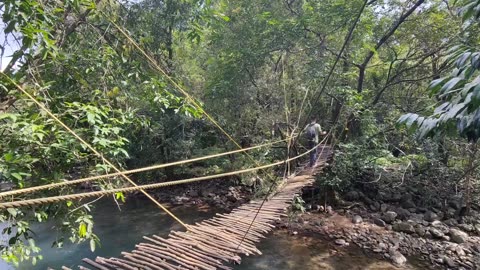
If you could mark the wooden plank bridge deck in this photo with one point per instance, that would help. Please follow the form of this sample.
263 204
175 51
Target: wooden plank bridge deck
217 242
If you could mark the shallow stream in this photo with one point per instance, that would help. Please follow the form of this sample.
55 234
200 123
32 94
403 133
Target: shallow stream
121 230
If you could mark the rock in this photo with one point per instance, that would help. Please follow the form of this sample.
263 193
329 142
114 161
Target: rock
437 224
460 252
436 233
180 200
449 262
455 204
294 232
318 222
458 236
420 231
379 222
193 193
477 228
352 196
403 214
422 210
407 201
430 216
409 204
451 222
383 207
232 198
404 227
397 257
341 242
450 213
396 197
376 206
466 227
382 246
357 219
389 216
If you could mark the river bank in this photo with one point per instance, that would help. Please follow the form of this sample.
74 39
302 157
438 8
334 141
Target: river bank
384 227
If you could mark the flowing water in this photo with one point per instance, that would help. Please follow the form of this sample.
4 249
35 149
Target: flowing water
121 230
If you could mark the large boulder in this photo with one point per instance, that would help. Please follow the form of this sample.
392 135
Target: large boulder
458 236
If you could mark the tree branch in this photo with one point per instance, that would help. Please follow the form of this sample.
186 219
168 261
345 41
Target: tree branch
383 39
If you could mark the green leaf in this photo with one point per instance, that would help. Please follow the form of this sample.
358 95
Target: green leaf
12 211
17 176
82 230
435 85
92 245
8 156
450 84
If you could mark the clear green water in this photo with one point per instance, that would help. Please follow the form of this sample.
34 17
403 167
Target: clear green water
121 230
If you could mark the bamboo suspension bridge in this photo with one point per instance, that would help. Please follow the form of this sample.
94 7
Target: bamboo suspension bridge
210 244
216 242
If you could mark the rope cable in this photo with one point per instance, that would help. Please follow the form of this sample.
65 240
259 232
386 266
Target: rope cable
77 196
143 169
60 122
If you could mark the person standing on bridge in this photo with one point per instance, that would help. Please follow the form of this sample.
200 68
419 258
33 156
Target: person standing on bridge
313 132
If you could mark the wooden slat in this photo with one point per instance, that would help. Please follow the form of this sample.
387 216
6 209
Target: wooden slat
211 243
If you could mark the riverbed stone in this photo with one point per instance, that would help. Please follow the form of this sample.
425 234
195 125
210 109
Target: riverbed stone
352 196
357 219
379 222
451 222
341 242
403 227
420 231
466 227
397 257
436 233
430 216
389 216
402 213
408 204
458 236
449 262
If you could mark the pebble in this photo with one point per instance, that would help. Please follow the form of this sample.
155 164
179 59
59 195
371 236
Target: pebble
357 219
341 242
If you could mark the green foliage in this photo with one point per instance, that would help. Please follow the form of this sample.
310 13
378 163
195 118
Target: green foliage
458 94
